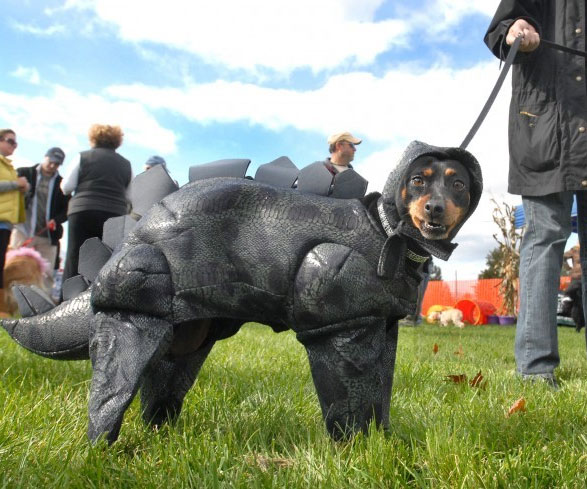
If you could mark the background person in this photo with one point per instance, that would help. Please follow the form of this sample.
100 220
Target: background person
99 180
46 210
154 161
12 190
342 148
548 161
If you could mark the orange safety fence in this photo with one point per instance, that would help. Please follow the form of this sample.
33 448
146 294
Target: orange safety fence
449 292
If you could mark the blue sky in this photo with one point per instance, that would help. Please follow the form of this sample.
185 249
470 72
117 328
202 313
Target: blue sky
197 81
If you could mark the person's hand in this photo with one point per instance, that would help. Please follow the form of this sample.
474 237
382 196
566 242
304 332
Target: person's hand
530 38
51 225
23 184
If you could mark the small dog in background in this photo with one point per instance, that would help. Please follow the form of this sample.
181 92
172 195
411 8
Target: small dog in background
22 266
452 316
433 316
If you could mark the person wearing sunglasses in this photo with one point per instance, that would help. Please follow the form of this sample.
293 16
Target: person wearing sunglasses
331 176
12 190
342 148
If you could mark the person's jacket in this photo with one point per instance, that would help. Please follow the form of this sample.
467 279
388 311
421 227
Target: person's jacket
104 176
11 202
548 110
57 206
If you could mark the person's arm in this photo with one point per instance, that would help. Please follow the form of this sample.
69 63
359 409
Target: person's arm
512 18
69 183
21 184
59 212
8 185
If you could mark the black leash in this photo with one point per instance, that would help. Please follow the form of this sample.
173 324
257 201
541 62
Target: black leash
504 71
565 49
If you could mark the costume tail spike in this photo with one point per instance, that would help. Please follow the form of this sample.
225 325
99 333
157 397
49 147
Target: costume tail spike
61 333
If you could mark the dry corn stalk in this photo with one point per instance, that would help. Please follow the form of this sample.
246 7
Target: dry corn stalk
509 240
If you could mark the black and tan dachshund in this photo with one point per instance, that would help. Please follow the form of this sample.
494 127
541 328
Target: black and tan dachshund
436 196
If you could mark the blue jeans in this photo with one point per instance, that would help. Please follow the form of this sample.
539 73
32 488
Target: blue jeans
548 226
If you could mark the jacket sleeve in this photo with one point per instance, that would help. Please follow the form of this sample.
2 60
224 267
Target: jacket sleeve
28 172
59 211
507 13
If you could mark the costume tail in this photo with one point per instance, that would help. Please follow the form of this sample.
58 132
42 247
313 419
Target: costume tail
61 333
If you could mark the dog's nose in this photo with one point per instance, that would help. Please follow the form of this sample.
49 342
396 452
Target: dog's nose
434 207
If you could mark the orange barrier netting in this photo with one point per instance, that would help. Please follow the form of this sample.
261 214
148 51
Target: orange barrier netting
448 293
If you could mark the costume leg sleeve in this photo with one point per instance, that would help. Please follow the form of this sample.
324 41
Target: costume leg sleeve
167 382
352 373
122 345
340 306
388 367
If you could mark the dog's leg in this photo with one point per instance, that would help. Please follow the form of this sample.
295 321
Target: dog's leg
122 345
351 369
167 382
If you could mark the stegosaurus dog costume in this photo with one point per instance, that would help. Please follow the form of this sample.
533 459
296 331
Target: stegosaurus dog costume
221 252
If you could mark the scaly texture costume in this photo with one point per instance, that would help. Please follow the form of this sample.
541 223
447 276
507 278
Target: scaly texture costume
222 252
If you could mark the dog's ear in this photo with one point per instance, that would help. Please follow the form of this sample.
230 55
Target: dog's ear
402 199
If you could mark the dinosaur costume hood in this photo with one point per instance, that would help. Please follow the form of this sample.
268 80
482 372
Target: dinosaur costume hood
393 213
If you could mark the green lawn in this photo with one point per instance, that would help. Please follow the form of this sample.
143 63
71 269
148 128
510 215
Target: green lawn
253 420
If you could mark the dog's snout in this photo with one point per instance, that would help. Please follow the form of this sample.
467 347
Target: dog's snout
434 207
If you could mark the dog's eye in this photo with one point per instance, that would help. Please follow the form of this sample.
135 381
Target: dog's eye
459 185
417 181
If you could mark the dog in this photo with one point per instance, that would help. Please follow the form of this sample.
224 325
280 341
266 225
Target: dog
433 316
221 252
437 196
452 316
23 266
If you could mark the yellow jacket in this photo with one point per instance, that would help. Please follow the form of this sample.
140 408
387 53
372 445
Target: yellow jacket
11 202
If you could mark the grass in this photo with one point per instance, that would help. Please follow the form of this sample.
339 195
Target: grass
253 420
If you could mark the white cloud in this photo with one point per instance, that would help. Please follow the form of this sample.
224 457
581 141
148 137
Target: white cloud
280 36
65 116
437 106
444 15
30 75
39 31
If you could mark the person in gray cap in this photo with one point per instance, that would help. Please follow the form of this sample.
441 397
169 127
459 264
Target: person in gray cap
46 210
154 161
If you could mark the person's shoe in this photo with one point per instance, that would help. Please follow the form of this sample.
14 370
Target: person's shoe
549 379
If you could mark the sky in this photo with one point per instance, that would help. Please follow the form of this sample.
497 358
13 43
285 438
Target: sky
196 81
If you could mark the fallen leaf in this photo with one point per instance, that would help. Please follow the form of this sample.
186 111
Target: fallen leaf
435 349
459 351
476 381
519 405
457 379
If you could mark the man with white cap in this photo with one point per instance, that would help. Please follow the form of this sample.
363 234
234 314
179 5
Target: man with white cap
46 209
334 176
342 147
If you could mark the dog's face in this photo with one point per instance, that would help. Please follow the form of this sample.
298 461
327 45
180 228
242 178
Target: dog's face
436 196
